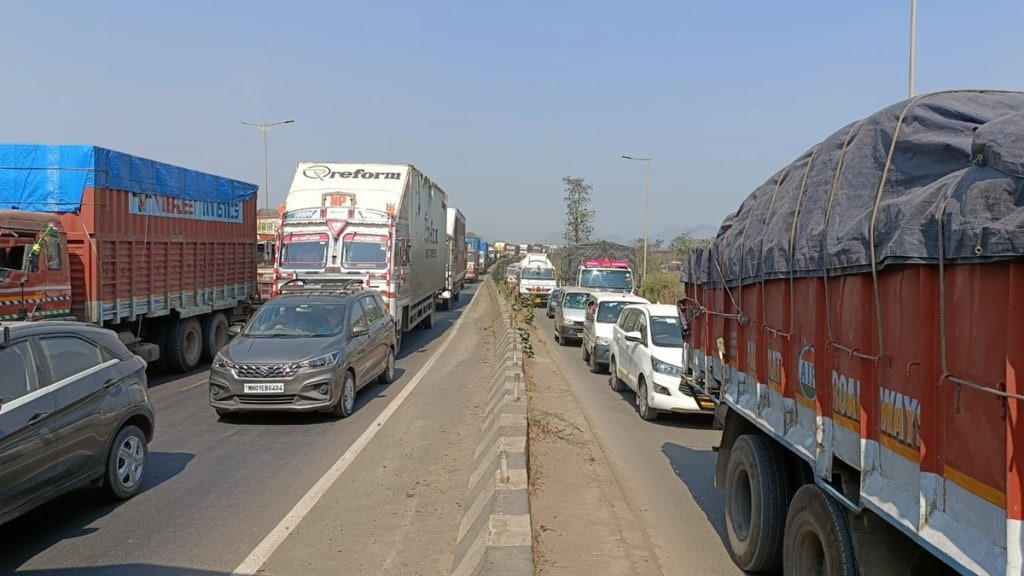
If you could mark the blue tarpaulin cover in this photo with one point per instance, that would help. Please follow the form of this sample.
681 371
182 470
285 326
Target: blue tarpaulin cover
51 178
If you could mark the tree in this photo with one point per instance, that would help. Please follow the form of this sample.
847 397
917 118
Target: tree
681 244
579 208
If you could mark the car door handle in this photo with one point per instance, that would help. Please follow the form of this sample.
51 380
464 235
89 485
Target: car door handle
38 417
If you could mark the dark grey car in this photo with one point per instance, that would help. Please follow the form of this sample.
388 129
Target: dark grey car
74 410
308 350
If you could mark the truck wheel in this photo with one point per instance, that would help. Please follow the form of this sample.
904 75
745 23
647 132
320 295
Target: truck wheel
184 345
817 536
215 335
456 296
428 321
614 382
757 489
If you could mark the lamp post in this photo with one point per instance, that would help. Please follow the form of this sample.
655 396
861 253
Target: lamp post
647 197
913 41
265 126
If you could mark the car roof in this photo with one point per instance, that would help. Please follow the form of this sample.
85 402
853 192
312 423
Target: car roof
657 309
22 327
602 296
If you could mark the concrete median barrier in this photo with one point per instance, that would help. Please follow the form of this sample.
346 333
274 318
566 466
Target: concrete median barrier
495 534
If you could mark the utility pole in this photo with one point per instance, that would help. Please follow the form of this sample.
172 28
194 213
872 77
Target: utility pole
265 126
647 202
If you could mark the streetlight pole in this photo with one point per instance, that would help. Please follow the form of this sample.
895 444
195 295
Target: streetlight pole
913 42
265 126
647 198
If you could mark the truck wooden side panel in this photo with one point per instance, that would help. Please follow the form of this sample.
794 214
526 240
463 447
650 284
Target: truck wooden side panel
127 265
924 405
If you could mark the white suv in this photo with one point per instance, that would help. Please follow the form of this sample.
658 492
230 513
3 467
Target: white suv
602 313
647 356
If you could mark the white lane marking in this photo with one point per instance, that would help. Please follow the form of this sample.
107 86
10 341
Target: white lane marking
254 562
201 381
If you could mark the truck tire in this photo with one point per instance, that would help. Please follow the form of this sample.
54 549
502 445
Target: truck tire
817 536
757 491
184 345
215 335
428 321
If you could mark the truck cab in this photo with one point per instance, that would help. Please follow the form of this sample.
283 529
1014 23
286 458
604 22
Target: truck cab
606 274
35 275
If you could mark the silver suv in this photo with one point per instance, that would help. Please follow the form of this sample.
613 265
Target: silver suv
308 350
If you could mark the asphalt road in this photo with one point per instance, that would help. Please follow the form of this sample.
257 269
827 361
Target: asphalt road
665 468
217 494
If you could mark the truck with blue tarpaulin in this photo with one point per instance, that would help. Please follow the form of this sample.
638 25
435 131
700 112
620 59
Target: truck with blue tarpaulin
161 254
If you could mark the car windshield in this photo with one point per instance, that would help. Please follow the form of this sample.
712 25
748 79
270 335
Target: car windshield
305 251
538 273
575 300
609 311
296 320
667 331
615 279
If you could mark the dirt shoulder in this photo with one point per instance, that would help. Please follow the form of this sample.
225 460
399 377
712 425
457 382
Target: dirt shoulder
581 521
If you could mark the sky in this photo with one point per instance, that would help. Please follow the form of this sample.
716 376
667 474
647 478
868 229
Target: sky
494 101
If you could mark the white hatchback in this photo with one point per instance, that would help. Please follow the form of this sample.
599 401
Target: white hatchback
647 356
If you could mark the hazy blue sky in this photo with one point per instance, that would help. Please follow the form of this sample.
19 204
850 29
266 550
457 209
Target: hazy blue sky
495 101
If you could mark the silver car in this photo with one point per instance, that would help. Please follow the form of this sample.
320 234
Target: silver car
307 350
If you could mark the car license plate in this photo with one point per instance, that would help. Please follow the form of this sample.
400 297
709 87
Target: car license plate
264 387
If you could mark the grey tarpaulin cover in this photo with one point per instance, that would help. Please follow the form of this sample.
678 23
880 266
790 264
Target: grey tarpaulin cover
958 158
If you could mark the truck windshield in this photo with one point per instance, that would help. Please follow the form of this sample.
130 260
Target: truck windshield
304 251
666 331
538 274
365 251
616 279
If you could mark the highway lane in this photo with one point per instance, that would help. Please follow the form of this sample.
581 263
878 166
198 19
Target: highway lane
214 490
665 468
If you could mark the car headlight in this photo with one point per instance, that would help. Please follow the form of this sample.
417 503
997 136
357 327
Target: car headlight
567 322
666 368
321 361
602 341
221 362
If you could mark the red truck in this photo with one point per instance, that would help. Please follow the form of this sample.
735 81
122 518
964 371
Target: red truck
859 322
161 254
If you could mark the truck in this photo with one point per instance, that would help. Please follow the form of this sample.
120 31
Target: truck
484 250
455 266
474 264
536 278
268 222
857 324
163 255
607 274
378 223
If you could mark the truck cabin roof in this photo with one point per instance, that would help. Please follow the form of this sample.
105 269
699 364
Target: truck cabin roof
18 222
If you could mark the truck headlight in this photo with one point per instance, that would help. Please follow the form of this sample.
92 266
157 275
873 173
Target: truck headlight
666 368
321 361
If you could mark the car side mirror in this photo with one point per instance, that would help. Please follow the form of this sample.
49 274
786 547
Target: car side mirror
634 337
359 330
234 330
